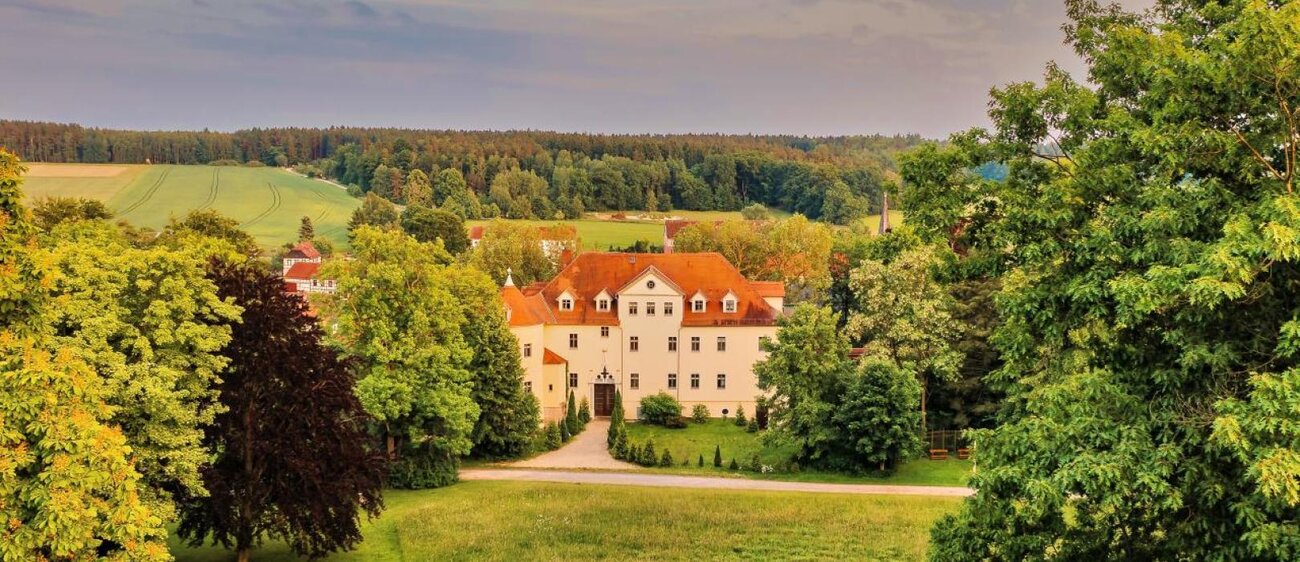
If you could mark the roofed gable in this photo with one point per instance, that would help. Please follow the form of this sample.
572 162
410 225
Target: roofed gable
650 274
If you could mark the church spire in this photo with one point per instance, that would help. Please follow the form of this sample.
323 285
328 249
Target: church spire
884 215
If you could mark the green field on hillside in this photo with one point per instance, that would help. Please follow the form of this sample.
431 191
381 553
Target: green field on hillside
268 202
544 521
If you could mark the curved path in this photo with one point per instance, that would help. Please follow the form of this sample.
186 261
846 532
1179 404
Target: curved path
587 451
705 482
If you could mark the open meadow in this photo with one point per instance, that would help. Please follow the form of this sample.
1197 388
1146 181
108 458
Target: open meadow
268 202
698 440
543 521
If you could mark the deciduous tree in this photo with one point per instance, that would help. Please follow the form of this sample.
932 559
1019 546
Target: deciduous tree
397 318
292 460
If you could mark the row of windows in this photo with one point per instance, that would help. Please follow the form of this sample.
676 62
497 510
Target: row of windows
633 308
634 380
634 342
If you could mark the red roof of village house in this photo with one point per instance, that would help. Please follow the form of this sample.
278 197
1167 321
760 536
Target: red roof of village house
302 270
768 288
705 273
303 250
672 226
476 232
552 358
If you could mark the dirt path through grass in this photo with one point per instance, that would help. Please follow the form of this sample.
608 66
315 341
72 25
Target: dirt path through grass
674 481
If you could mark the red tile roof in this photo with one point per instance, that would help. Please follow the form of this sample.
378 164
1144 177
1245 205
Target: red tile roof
302 270
768 288
525 310
476 233
707 273
552 358
672 226
303 250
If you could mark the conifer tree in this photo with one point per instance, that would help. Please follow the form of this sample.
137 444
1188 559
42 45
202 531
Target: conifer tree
306 231
717 456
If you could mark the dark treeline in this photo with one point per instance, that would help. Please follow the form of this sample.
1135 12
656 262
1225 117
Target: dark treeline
540 174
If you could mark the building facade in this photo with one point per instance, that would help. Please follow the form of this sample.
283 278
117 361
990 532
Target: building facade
301 271
686 324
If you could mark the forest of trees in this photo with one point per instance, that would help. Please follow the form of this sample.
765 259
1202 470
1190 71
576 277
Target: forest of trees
521 174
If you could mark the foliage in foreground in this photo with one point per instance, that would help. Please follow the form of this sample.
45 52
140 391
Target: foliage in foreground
1147 236
68 489
292 459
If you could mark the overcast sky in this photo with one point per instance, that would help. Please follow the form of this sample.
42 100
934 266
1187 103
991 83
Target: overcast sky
814 67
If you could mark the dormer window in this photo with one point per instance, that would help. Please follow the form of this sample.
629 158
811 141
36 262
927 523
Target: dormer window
729 303
697 305
602 305
566 304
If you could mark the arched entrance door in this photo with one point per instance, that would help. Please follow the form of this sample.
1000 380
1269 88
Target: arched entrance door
602 394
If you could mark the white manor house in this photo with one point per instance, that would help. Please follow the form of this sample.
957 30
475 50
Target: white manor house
686 324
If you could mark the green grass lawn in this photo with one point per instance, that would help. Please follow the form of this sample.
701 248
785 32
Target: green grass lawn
699 439
545 521
268 202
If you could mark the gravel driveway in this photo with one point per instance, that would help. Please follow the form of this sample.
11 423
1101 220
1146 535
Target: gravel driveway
587 450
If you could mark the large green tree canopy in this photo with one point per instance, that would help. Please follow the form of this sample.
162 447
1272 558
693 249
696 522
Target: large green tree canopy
1148 237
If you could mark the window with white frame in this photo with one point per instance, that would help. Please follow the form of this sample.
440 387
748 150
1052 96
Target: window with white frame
695 343
633 343
722 343
722 381
672 343
697 305
604 331
672 380
695 380
573 341
634 381
668 308
729 305
573 380
566 304
602 305
632 308
528 386
649 309
528 350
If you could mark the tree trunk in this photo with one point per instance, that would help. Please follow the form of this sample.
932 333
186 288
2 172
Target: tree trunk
245 554
392 446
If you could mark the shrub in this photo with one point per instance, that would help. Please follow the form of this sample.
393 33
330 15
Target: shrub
700 413
701 462
553 437
740 415
675 422
565 436
584 412
686 461
255 164
752 427
755 463
760 412
734 465
659 408
717 456
571 416
666 460
423 470
755 212
648 456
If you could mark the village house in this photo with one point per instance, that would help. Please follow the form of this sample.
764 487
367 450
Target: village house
686 324
301 270
553 239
